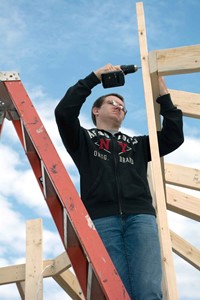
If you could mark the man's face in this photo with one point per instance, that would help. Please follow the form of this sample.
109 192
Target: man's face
112 110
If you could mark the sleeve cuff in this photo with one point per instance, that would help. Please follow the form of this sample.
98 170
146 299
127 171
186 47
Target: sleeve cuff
165 102
91 80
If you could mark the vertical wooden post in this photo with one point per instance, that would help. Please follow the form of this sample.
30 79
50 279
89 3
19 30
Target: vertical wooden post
159 192
34 261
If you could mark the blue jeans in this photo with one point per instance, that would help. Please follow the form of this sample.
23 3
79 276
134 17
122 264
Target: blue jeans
133 245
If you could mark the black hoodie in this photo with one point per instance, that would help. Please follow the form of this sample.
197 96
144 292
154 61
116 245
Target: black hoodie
113 168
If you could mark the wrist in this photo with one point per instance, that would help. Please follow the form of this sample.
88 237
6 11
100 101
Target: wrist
98 75
163 92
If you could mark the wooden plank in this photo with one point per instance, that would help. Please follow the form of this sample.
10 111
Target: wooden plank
61 263
21 289
68 281
188 102
184 204
181 60
182 176
185 250
12 274
169 273
34 261
16 273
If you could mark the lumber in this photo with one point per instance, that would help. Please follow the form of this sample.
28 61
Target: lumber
34 260
188 102
21 289
180 60
183 204
182 176
68 281
169 273
185 250
16 273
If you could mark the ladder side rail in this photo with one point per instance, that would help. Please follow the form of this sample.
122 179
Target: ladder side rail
3 106
2 118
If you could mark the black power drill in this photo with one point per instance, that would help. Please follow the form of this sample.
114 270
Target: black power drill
116 78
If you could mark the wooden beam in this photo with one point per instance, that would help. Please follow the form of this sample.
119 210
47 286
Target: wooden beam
21 289
16 273
184 204
34 261
181 60
185 250
182 176
189 103
68 281
12 274
168 266
59 271
61 263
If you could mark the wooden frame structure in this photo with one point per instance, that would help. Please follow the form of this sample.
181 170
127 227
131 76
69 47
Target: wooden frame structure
183 60
29 277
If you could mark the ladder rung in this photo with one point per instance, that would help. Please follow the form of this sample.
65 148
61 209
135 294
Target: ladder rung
48 188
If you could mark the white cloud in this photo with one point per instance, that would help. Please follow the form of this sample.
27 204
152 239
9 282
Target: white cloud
8 292
188 153
12 237
52 238
187 279
18 181
53 291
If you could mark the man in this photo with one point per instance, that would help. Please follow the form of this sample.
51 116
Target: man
113 175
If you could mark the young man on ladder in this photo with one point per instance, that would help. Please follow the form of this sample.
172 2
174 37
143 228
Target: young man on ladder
113 175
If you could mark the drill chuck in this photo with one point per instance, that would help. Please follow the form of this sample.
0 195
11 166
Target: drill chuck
127 69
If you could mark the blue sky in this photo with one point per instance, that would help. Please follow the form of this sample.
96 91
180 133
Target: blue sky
52 44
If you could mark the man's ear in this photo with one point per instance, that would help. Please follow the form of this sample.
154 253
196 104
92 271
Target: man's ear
95 111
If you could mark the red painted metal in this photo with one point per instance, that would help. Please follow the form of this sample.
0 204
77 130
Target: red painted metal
82 242
2 121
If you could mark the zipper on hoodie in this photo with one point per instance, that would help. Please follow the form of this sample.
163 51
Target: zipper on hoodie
116 165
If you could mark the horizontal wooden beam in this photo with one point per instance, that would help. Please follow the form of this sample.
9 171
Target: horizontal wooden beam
185 250
184 204
182 176
181 60
16 273
188 102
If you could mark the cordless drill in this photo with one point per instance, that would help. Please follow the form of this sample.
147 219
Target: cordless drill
116 78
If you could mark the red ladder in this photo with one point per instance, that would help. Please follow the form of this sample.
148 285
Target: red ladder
96 274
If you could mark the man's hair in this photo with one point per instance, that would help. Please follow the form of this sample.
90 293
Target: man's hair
99 102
